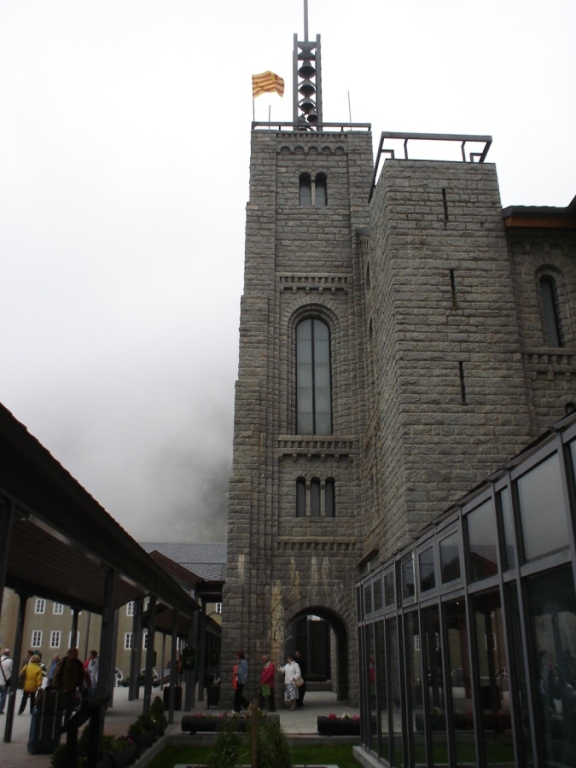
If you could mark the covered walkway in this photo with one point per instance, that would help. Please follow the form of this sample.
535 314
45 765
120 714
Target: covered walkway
81 558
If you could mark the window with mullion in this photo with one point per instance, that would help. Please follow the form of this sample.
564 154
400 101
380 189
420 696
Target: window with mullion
313 378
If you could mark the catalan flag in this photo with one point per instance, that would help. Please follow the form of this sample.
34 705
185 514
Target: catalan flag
267 81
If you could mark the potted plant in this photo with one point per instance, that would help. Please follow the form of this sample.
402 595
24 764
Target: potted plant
143 732
157 713
122 751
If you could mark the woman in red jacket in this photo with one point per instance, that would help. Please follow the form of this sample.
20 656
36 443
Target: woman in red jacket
267 684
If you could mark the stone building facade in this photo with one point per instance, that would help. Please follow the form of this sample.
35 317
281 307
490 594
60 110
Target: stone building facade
396 347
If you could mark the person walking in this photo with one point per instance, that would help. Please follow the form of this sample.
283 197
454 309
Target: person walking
53 667
291 676
301 661
32 681
267 684
241 680
92 670
5 675
69 677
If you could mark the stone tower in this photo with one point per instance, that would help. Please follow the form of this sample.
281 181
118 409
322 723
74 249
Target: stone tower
294 527
393 354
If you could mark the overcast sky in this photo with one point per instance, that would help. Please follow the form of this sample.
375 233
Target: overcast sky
124 154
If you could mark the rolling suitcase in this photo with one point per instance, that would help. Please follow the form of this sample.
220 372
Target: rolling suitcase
46 722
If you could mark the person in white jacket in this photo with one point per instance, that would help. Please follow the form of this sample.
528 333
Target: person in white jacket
292 674
5 675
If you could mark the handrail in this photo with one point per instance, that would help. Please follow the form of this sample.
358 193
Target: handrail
474 157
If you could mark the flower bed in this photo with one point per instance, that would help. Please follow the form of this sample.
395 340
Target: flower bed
201 723
332 725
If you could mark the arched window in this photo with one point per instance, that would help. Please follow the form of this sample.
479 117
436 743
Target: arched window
315 497
313 378
300 497
313 191
305 189
550 306
330 498
321 192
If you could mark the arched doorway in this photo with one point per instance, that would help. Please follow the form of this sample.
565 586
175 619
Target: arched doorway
321 636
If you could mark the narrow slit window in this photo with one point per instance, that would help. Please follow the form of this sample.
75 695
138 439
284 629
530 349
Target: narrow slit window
305 189
315 497
300 497
321 191
330 498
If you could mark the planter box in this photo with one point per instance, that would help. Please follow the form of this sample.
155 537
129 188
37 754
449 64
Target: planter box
192 724
338 726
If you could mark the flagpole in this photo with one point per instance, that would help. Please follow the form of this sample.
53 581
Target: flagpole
253 111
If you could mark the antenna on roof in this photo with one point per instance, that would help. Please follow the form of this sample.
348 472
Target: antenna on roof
307 113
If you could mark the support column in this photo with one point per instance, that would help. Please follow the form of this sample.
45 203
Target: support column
7 518
136 655
107 637
149 655
16 661
173 664
201 655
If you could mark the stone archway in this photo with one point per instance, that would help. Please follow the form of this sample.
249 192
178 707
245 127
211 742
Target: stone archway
339 662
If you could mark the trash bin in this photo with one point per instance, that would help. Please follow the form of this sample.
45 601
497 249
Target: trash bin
177 697
213 698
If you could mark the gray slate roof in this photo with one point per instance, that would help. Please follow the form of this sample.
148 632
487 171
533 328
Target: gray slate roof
206 560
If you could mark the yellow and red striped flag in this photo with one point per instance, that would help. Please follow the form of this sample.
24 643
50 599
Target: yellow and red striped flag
267 81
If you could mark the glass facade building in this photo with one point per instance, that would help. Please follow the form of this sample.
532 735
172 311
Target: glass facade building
468 637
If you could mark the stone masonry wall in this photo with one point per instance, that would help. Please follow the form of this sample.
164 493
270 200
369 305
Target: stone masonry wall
299 263
550 372
452 397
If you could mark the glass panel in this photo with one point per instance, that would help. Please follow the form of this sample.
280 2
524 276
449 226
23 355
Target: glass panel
460 691
395 720
408 578
381 692
372 729
505 505
368 598
552 618
519 691
542 511
450 558
493 683
426 568
389 592
435 721
414 683
482 542
378 595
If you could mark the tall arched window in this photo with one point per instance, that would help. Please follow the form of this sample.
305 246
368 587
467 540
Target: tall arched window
313 378
330 497
550 306
315 497
300 497
305 189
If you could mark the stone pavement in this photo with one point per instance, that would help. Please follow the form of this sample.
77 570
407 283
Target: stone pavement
301 725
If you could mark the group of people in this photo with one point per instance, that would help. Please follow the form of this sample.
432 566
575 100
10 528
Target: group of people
294 681
74 679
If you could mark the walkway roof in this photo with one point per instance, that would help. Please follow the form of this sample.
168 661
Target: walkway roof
63 542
